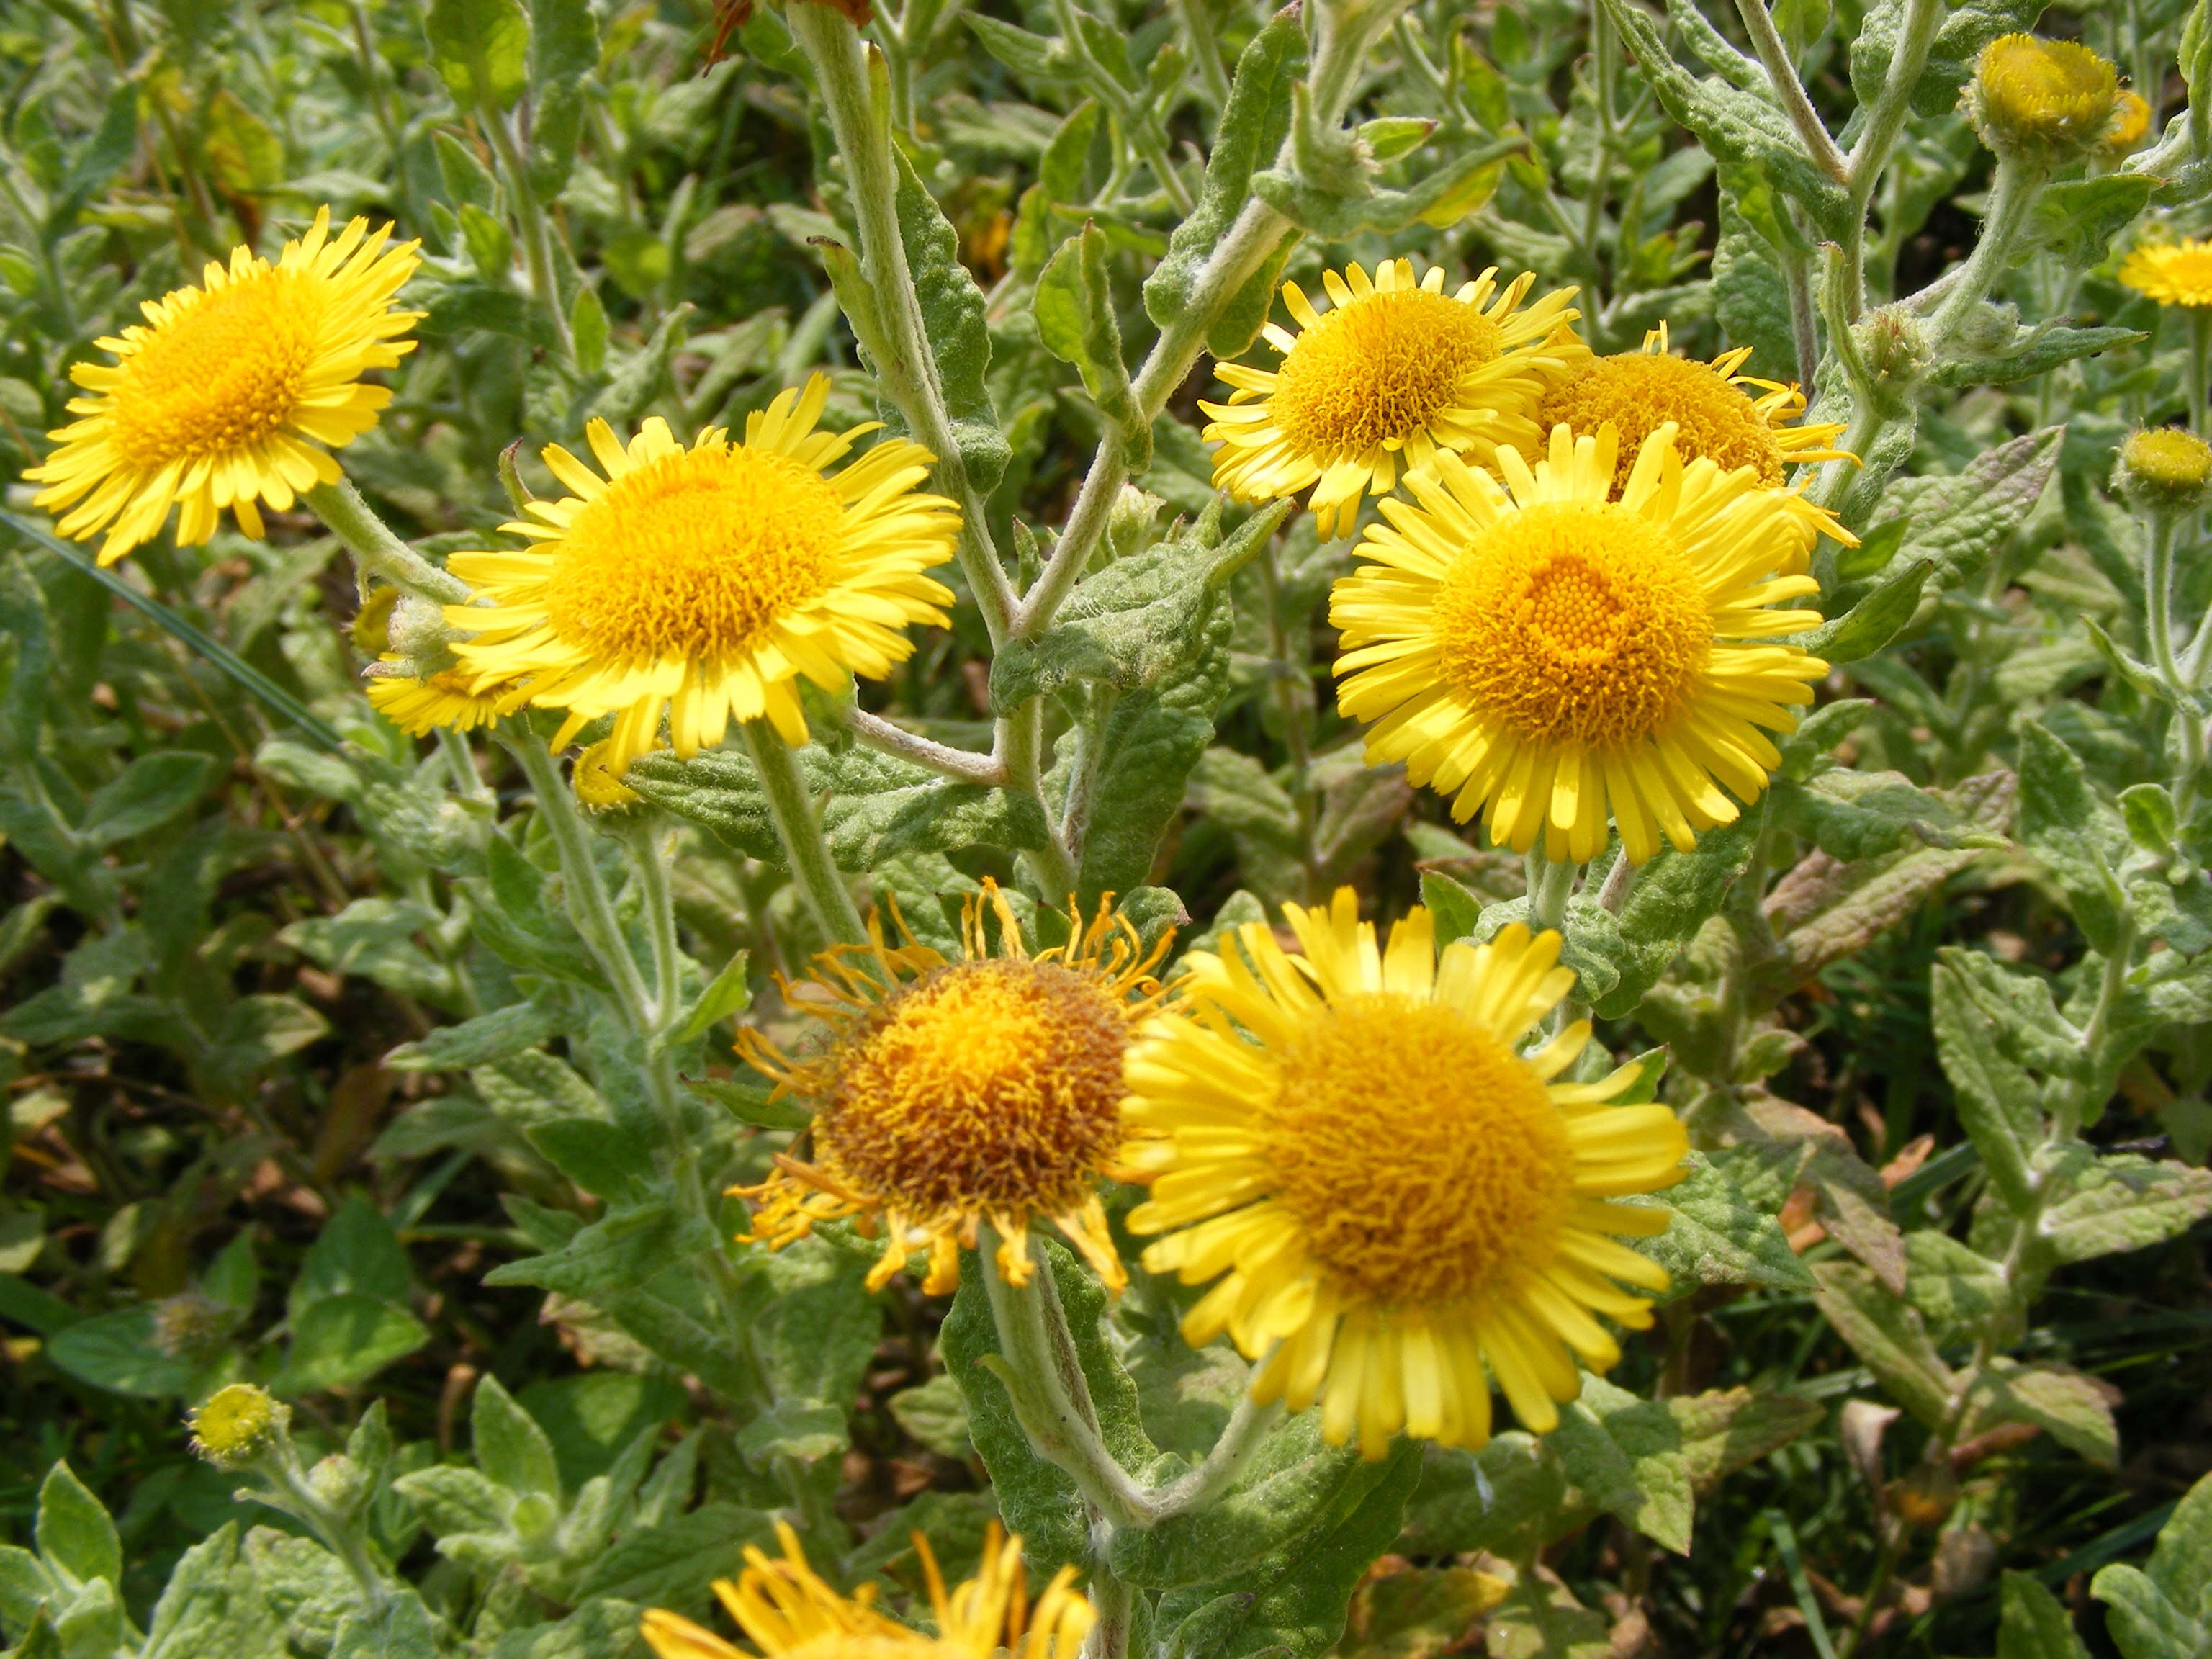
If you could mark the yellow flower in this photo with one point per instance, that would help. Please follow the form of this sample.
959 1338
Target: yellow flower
1548 651
2165 469
233 1424
225 394
450 698
1396 371
599 787
705 581
1398 1207
985 1088
2130 125
787 1612
1714 416
2172 273
2046 102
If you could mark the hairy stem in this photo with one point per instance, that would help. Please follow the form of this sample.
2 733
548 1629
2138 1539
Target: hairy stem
376 549
2012 196
1781 74
800 833
961 765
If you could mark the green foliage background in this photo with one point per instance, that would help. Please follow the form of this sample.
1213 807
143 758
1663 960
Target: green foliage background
309 1081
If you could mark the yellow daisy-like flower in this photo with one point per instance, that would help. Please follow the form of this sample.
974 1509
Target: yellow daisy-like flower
2129 125
1550 651
1396 371
599 787
958 1092
225 395
704 581
451 698
1398 1207
787 1612
2172 273
1710 405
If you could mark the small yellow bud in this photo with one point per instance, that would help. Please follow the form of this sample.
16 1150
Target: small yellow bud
371 623
598 788
2046 102
2164 469
2130 122
233 1424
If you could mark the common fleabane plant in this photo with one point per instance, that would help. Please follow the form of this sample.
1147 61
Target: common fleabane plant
1138 829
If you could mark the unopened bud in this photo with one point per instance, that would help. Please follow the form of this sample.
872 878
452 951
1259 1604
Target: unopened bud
418 631
2129 125
2164 469
2042 101
233 1424
1130 523
1894 343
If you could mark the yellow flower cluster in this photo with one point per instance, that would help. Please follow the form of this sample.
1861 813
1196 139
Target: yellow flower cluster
1571 626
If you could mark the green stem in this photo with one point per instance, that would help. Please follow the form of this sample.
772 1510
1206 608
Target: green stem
1549 886
906 364
2200 355
2013 192
530 216
2158 605
1782 76
797 828
340 1534
650 860
1197 33
589 909
376 549
1884 122
1291 692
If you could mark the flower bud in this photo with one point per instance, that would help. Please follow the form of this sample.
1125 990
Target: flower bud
235 1424
2129 125
598 788
418 629
1894 343
2042 101
371 623
2164 469
1132 522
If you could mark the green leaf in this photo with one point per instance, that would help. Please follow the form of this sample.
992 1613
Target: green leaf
1725 1430
718 791
1718 1237
1625 1455
795 1430
728 993
592 1417
1035 1497
2122 1202
622 1251
1959 520
25 1585
2181 1560
2143 1621
117 1351
1980 1020
952 317
1751 299
358 1253
814 1324
1675 895
2035 1624
509 1446
673 1564
748 1100
259 1032
1541 1620
2034 351
1888 1337
878 808
1291 1601
601 1629
935 1414
1138 622
213 1603
1042 62
1073 305
374 939
152 790
480 49
75 1538
2073 1409
564 48
1959 1292
1511 1498
2078 219
2081 841
1965 30
1875 620
497 1036
454 1501
1253 123
401 1629
338 1341
607 1160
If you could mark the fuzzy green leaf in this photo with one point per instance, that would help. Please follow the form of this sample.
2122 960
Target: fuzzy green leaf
1888 1337
1718 1237
480 49
1073 304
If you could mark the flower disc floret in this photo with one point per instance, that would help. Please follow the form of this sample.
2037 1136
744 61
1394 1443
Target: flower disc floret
787 1612
1393 1205
231 392
2172 273
2045 101
984 1088
1395 372
1553 655
701 581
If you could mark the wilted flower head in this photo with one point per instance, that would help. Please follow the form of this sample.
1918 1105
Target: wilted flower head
233 1424
191 1325
2043 101
958 1092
